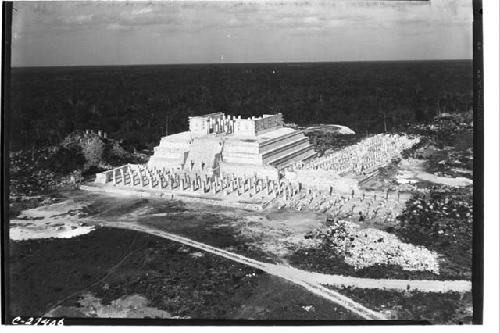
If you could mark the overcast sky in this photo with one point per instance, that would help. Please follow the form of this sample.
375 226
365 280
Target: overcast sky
120 33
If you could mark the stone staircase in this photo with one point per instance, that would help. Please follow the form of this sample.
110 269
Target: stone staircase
204 155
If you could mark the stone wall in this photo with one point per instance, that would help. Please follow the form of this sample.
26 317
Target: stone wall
244 127
257 125
268 122
248 170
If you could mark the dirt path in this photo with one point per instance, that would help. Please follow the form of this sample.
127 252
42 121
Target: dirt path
310 280
440 286
281 271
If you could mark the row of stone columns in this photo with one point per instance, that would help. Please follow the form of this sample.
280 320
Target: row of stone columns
222 125
367 154
161 179
165 179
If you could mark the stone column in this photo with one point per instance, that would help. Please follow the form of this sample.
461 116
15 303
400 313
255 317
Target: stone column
134 174
126 173
120 171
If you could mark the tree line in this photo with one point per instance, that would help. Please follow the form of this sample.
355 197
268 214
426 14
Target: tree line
133 102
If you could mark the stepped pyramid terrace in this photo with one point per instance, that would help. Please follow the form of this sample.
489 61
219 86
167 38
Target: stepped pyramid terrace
221 145
256 162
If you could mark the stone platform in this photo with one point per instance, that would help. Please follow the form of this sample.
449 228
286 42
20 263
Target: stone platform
227 190
233 146
173 195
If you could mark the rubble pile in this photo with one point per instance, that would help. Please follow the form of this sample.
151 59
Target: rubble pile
99 150
49 168
363 248
29 177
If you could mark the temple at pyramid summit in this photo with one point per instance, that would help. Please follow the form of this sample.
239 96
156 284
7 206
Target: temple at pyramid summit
222 145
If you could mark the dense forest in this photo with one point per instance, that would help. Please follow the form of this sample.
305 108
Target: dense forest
133 103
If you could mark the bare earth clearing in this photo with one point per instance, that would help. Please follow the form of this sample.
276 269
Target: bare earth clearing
268 235
413 170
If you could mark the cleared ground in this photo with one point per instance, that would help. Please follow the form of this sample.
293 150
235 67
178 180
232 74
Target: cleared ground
109 266
269 236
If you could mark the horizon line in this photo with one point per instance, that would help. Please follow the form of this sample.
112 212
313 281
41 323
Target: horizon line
243 63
